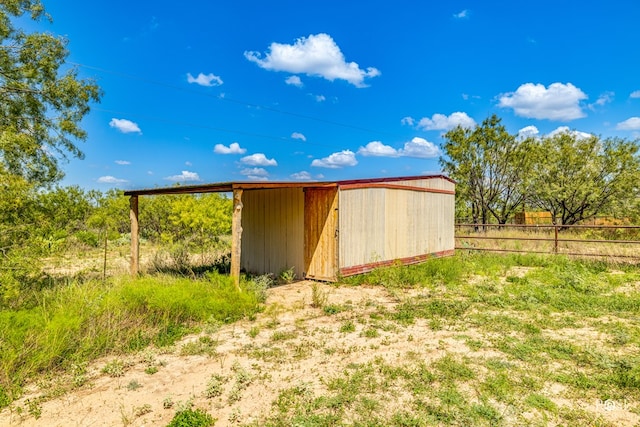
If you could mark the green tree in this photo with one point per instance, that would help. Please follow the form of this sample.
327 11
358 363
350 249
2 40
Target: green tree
41 105
578 178
490 166
19 253
204 216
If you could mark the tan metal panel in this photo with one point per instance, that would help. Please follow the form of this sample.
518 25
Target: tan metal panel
382 224
273 230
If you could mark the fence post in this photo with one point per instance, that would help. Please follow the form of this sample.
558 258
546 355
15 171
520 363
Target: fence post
555 241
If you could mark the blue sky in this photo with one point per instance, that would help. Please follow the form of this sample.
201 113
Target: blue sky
283 90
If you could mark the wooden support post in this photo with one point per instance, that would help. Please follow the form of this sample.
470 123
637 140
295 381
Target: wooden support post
135 242
236 235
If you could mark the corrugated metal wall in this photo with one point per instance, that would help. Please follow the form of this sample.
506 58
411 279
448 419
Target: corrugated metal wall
273 230
380 224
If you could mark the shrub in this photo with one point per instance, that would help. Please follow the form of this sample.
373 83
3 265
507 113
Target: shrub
192 418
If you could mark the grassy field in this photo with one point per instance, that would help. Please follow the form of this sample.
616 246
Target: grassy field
475 339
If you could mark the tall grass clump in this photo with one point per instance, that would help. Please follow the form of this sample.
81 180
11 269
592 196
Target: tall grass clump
78 322
433 271
449 271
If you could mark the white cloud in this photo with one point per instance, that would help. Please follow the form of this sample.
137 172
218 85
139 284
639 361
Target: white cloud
635 94
419 147
185 176
111 180
254 172
294 81
378 149
320 98
258 159
632 123
122 162
528 132
557 102
188 163
336 160
298 135
462 14
603 99
442 122
301 176
205 79
234 148
409 121
575 133
125 126
316 55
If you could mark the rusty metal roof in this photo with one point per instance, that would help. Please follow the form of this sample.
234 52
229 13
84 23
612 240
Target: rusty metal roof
224 187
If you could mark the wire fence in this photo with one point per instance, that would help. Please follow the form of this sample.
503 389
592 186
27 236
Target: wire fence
619 243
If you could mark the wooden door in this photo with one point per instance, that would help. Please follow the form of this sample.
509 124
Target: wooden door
321 233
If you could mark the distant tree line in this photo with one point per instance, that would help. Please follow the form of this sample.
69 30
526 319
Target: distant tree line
39 223
572 176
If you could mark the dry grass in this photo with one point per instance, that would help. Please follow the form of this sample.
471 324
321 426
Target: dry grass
589 243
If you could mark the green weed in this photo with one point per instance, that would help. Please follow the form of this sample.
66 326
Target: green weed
203 345
319 297
214 386
192 418
347 326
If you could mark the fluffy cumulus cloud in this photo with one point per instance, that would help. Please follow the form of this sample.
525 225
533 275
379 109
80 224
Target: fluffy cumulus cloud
336 160
635 94
444 122
320 98
575 133
462 14
258 159
419 147
557 102
125 126
316 55
234 148
301 176
205 79
298 135
294 81
632 123
528 132
111 180
185 176
377 148
122 162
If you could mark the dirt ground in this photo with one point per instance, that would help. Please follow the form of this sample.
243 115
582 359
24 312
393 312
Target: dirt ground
289 344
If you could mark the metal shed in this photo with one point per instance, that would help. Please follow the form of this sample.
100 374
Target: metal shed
325 230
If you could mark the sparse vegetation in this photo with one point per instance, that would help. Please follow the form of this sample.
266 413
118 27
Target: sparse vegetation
474 339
